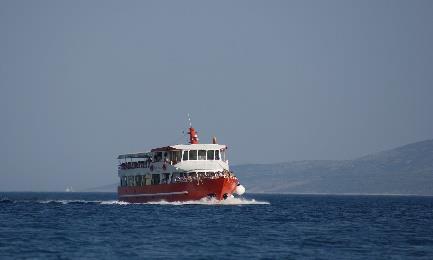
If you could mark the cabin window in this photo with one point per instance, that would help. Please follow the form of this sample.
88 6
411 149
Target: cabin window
175 158
123 182
138 180
210 154
202 154
217 155
166 178
155 178
130 180
158 157
148 179
193 155
185 156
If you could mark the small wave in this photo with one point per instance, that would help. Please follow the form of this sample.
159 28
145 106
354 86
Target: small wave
213 201
5 200
64 202
101 202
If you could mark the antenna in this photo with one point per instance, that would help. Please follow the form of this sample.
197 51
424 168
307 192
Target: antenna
189 120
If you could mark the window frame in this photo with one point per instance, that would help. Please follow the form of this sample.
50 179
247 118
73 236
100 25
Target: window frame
217 156
201 157
213 155
185 152
191 152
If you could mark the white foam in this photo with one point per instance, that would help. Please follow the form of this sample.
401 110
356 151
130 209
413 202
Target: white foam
68 201
102 202
213 201
205 201
114 202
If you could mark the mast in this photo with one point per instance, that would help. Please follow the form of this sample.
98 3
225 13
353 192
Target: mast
193 137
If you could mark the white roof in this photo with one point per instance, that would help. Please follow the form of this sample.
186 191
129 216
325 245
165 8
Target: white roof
177 147
199 146
135 155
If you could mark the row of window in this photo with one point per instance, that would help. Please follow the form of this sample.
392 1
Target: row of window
201 155
173 157
142 180
168 156
164 178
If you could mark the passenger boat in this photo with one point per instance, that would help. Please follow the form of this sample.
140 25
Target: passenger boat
181 172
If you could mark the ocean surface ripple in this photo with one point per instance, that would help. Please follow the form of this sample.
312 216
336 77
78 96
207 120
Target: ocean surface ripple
97 226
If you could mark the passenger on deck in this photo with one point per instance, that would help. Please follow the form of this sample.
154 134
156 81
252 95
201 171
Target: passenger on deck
151 160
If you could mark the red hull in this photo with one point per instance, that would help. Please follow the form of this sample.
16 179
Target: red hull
184 191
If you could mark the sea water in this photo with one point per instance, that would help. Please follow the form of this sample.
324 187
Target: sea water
97 226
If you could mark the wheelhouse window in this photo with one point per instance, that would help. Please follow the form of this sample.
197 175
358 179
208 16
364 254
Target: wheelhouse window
185 156
193 154
202 154
217 154
223 155
210 154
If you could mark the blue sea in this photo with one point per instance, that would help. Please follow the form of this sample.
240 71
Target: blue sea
256 226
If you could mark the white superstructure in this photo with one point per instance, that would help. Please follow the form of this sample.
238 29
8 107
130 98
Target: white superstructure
165 164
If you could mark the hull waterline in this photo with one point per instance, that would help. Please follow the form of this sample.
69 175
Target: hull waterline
219 188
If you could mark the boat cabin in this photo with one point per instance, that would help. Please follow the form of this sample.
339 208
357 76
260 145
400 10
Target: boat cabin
171 164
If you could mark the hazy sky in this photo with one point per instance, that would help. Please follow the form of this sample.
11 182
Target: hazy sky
84 81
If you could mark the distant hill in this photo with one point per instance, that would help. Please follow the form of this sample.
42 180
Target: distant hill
404 170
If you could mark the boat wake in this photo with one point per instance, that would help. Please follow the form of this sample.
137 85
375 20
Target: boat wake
66 202
204 201
101 202
213 201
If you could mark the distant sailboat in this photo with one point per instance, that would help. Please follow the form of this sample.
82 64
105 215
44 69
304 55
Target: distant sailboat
69 189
